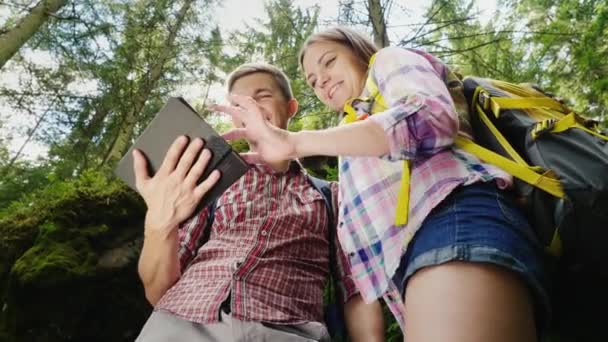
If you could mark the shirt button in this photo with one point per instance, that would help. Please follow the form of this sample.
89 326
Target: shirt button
237 278
264 233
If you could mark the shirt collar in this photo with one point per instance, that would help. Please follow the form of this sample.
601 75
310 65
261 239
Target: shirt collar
294 167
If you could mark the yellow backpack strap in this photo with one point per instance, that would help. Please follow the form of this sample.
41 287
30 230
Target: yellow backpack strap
403 199
374 94
351 113
545 181
567 122
498 104
500 138
372 89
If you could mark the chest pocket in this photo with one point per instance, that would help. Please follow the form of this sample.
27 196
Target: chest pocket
239 210
307 208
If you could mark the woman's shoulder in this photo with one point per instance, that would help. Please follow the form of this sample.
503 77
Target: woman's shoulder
395 55
390 52
392 57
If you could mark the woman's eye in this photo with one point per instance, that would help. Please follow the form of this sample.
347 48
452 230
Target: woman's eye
313 83
330 61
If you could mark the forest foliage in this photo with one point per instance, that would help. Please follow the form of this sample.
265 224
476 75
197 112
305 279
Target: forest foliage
82 79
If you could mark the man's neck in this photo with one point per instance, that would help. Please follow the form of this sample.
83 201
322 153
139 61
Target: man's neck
280 167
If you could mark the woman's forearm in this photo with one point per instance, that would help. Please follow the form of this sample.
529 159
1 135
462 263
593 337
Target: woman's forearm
363 138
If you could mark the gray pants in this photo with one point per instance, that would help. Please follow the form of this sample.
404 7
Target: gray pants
165 327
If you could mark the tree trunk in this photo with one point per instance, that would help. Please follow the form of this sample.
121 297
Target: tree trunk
12 40
125 132
377 18
84 135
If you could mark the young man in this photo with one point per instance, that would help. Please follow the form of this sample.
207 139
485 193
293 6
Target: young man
261 274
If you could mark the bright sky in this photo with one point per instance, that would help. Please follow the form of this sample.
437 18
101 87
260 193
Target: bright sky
236 14
232 16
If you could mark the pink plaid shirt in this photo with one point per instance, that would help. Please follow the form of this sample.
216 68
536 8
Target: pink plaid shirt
268 250
420 123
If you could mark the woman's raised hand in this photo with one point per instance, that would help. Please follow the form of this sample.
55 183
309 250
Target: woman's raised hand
268 143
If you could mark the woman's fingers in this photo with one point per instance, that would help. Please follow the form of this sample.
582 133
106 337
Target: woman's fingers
244 109
235 112
235 134
245 102
251 157
249 109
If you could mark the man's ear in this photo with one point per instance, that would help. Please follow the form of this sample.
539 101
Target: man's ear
292 107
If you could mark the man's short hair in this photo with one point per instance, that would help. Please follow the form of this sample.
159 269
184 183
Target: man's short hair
251 68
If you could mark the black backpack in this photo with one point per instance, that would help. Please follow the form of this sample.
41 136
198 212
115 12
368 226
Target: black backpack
334 310
559 159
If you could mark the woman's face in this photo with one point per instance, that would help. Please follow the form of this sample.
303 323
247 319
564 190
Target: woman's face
334 73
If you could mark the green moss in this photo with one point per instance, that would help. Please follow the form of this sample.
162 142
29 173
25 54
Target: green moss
15 239
89 199
50 242
93 206
50 263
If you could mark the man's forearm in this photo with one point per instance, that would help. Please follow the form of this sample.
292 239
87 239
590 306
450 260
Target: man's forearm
364 322
159 265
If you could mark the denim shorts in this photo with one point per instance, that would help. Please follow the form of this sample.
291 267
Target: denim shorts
480 223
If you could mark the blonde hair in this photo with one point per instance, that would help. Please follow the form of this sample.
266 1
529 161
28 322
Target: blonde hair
361 45
251 68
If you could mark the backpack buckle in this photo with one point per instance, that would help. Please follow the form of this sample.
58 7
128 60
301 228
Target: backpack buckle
542 127
484 100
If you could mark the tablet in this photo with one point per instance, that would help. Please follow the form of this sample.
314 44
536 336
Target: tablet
175 119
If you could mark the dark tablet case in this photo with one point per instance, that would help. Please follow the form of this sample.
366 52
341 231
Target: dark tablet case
175 119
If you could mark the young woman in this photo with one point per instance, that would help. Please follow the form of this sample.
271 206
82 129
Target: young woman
427 226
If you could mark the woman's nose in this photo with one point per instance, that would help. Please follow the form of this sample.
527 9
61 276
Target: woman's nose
323 80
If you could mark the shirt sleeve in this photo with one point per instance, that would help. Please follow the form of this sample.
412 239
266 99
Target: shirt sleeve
346 284
421 119
190 233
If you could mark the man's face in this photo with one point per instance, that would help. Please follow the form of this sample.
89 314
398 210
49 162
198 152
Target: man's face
263 88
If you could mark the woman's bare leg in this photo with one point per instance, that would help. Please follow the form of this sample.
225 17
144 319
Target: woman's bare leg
468 302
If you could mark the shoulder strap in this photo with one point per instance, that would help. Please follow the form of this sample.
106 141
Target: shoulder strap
322 186
334 311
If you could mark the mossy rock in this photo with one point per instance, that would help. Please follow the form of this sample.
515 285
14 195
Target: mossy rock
52 263
52 283
15 239
105 211
98 307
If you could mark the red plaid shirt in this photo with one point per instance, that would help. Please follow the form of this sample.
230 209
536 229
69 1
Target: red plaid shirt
268 249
